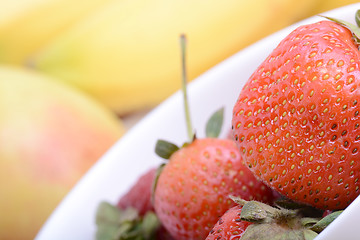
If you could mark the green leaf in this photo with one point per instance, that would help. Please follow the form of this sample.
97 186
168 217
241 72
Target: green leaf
165 149
270 231
309 235
106 232
238 200
107 221
213 126
353 28
323 223
116 224
150 222
185 144
309 221
129 215
107 214
357 18
254 211
125 231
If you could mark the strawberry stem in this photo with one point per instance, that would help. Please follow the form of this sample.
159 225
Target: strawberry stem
184 82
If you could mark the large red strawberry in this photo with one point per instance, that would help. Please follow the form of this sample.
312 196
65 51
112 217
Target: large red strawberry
296 121
193 188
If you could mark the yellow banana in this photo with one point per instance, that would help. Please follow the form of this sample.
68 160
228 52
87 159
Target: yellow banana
26 25
127 55
327 5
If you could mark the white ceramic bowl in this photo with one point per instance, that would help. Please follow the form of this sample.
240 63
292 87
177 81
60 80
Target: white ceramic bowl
113 174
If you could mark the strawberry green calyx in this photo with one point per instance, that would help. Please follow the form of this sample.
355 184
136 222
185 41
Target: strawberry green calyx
324 222
258 212
355 30
213 126
116 224
273 223
254 211
280 223
165 149
305 209
357 17
275 231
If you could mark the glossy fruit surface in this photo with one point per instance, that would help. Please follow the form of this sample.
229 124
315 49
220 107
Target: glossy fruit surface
139 195
193 189
229 226
296 121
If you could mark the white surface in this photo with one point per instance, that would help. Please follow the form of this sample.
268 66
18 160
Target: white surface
134 153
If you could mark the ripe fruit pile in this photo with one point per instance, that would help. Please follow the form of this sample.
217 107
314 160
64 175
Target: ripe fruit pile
119 52
296 127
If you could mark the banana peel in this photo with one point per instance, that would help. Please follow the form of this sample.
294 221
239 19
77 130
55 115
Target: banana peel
332 4
27 25
127 55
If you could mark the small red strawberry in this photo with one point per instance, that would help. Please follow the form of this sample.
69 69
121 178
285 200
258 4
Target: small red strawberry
296 121
230 135
229 226
134 217
139 195
193 188
163 234
255 220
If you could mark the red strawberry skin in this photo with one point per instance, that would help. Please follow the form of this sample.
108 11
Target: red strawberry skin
139 195
163 234
296 121
229 226
193 188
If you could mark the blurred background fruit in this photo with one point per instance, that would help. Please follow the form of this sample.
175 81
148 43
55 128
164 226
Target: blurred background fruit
50 135
126 54
101 58
26 25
